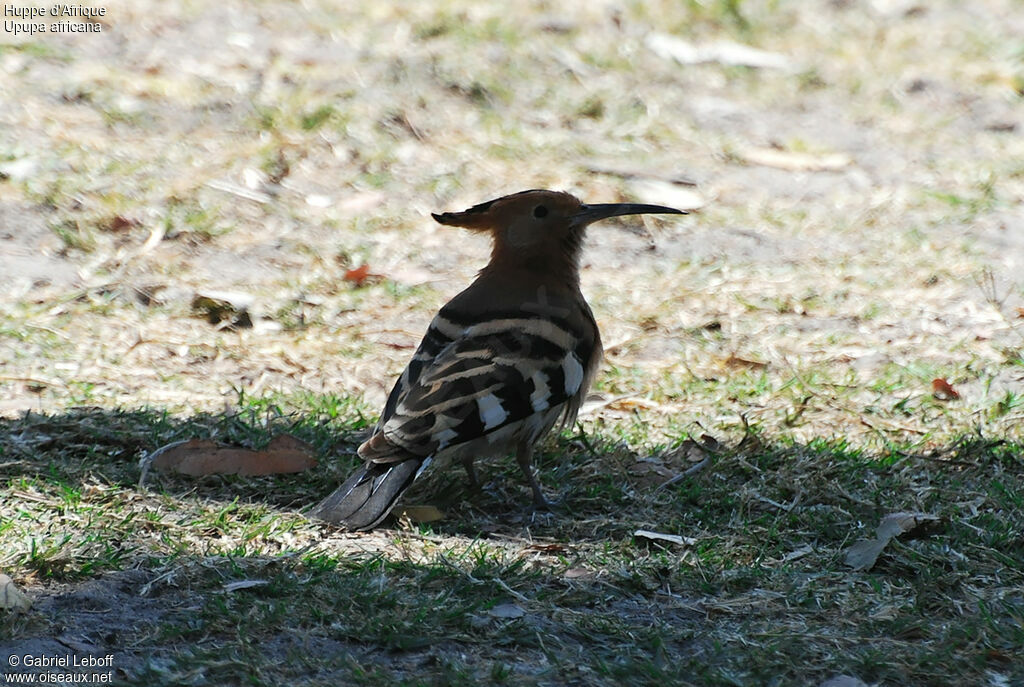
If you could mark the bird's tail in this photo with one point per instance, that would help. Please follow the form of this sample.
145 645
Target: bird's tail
368 496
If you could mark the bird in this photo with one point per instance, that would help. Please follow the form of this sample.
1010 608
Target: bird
500 365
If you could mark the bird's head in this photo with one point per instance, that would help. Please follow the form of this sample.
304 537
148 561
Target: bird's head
540 230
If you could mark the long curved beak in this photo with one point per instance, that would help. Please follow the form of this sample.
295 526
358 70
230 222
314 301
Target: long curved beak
588 214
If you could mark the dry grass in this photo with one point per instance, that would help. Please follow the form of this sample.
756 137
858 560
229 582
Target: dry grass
803 311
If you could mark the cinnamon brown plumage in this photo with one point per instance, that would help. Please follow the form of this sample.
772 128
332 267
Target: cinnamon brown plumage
500 365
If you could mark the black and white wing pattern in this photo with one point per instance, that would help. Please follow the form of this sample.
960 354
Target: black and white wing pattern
498 378
485 387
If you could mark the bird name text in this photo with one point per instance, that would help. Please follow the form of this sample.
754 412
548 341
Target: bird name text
22 20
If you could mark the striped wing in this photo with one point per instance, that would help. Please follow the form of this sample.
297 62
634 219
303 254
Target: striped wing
440 335
482 379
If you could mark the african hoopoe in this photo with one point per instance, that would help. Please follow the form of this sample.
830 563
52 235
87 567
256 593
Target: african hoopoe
500 364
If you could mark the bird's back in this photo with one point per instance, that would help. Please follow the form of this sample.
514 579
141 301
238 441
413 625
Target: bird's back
495 356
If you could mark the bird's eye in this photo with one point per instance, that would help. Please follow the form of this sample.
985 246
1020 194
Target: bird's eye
540 211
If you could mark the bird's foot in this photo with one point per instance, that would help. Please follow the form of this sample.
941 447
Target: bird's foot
541 509
542 503
474 483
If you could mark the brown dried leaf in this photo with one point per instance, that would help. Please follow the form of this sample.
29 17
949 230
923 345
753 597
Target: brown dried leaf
735 361
121 223
864 553
12 598
225 306
198 457
358 275
632 403
651 472
686 459
423 513
692 452
710 443
361 276
943 390
548 548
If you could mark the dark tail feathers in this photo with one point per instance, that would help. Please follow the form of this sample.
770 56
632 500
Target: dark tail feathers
368 496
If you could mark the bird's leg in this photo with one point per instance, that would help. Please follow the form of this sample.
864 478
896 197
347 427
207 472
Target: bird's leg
524 456
474 483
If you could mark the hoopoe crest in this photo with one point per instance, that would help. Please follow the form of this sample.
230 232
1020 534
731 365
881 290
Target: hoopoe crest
502 363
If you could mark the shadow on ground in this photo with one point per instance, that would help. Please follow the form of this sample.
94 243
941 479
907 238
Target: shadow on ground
220 580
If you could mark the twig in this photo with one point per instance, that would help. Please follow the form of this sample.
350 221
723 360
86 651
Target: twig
692 470
240 191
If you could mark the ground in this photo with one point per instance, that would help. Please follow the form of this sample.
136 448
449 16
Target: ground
856 192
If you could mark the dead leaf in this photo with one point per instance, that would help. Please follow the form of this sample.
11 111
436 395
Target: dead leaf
231 307
697 457
633 403
121 223
76 645
667 193
943 390
912 524
795 161
864 553
651 472
735 361
243 584
360 275
198 457
708 443
843 681
723 52
548 548
693 452
577 573
1020 313
596 402
12 598
423 513
509 611
660 536
798 553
